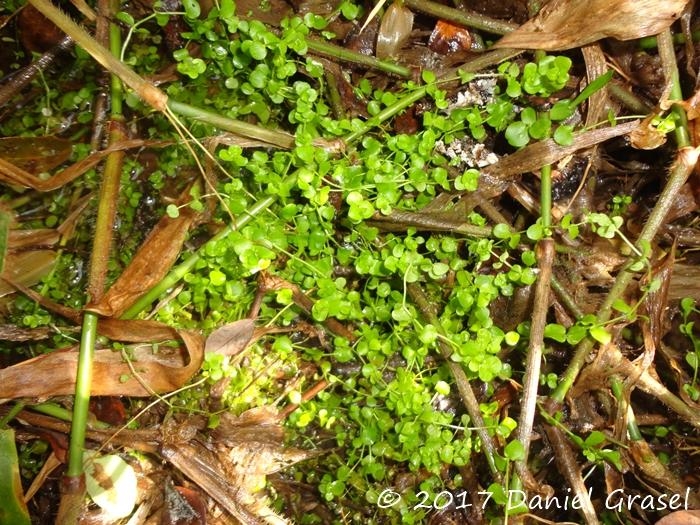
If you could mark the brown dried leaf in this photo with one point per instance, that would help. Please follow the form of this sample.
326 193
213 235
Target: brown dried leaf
230 339
537 154
13 174
150 264
564 24
682 517
54 374
9 332
248 448
647 136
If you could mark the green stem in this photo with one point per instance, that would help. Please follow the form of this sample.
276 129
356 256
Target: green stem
387 113
650 42
99 260
347 55
678 176
147 91
183 268
81 405
618 390
679 173
668 59
461 17
245 129
16 409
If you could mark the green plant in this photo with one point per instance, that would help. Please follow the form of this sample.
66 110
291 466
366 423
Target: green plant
692 357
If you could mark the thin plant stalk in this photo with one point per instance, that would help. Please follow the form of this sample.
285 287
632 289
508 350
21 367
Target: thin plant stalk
145 90
461 17
388 112
347 55
531 378
104 228
83 382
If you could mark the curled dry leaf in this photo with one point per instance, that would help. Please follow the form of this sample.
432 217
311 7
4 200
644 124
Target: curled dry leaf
565 24
54 374
233 468
150 264
26 268
36 154
13 174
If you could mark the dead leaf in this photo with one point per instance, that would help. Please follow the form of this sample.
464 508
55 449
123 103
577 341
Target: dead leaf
565 24
150 264
682 517
54 374
13 174
231 338
247 449
535 155
647 136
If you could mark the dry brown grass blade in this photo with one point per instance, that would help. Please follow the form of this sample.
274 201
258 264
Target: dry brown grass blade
149 265
12 174
54 374
565 24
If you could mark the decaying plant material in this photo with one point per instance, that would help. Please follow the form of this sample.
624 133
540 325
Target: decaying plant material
564 24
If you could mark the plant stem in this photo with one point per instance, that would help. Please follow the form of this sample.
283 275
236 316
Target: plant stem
347 55
83 381
531 379
388 112
16 409
245 129
668 60
149 93
678 175
99 259
184 267
461 17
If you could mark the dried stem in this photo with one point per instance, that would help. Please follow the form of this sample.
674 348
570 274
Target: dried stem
531 379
